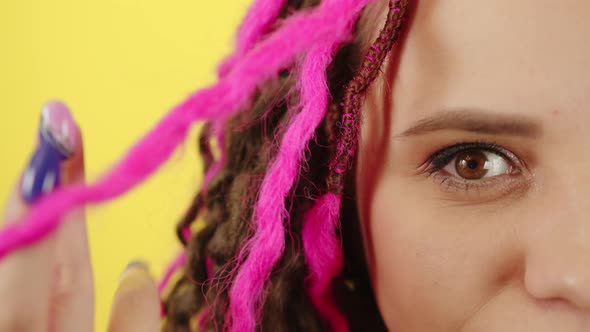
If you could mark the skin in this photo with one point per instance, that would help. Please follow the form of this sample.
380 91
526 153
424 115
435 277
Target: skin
48 285
511 253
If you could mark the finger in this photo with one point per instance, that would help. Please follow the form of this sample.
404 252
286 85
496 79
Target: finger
24 280
27 274
136 306
72 295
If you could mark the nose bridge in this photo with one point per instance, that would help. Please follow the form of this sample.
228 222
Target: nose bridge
574 182
556 239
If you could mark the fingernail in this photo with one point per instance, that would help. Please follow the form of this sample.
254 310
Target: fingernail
137 264
132 269
58 138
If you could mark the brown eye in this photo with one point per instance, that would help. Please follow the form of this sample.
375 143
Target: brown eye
476 164
471 164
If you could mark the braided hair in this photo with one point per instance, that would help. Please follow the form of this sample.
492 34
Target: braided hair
313 222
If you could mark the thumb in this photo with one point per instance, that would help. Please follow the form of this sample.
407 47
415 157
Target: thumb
136 306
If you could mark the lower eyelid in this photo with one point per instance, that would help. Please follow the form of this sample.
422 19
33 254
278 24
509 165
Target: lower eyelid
486 189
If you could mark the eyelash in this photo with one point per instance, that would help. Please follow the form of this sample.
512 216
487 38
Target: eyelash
440 159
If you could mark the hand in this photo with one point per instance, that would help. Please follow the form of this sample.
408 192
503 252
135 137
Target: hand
48 286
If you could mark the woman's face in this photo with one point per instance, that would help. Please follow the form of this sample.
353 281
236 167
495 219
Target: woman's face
474 169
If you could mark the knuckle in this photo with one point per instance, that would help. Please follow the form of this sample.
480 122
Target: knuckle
70 279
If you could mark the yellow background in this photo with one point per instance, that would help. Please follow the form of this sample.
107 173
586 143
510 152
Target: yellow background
119 65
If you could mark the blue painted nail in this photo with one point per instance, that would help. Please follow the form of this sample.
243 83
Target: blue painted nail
57 139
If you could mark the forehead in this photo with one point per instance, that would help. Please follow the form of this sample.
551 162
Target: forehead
513 56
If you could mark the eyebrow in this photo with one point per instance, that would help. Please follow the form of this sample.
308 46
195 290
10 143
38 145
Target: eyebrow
476 121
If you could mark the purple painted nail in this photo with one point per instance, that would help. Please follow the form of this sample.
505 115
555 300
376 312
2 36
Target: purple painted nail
58 137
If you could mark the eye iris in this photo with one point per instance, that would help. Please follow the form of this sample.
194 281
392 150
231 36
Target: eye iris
471 164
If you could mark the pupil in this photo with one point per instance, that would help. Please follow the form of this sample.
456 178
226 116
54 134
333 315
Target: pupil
472 164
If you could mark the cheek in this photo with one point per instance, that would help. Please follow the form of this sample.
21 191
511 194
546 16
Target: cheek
432 268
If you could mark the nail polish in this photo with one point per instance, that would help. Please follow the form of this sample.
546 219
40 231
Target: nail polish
137 264
132 269
57 141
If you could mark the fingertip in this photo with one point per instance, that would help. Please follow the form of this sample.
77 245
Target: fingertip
57 159
136 273
136 305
